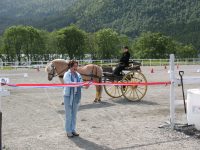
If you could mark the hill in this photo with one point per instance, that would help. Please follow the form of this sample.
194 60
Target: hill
179 19
32 12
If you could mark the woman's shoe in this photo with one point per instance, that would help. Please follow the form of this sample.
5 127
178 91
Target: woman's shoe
70 135
75 134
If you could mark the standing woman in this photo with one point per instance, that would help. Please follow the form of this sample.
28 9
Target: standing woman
72 96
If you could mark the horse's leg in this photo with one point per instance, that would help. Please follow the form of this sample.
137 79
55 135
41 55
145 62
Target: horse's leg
96 98
98 93
100 90
62 81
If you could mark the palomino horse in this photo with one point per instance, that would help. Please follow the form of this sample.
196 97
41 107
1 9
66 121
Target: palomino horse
89 72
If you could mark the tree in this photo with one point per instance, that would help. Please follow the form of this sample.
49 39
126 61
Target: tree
124 40
20 40
1 47
186 51
71 40
14 37
34 45
50 48
108 43
91 45
153 45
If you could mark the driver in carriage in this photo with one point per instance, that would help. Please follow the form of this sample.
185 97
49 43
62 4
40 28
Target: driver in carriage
123 62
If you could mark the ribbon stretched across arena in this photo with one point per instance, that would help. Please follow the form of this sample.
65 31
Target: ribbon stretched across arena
87 84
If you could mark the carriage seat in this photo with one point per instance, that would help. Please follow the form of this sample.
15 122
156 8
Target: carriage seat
108 74
133 65
107 71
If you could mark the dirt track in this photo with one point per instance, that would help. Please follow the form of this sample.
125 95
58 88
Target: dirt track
33 119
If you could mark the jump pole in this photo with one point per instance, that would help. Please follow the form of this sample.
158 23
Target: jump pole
174 82
172 92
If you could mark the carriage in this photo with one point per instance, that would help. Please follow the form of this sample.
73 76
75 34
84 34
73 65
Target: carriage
132 73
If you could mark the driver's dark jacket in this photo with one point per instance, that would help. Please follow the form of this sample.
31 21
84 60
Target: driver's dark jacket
125 59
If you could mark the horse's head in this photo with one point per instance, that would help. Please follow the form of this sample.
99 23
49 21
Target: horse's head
51 70
57 67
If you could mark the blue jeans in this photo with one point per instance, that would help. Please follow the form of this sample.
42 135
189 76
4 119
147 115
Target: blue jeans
70 114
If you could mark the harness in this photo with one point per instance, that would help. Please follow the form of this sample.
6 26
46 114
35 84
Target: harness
91 75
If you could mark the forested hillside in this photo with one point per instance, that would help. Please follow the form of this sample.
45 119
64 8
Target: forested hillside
177 18
33 12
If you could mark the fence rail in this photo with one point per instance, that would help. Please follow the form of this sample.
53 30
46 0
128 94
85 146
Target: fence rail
104 62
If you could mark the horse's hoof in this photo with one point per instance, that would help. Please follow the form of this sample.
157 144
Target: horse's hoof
96 100
99 100
62 103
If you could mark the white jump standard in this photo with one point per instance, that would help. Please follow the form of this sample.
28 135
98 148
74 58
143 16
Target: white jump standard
175 82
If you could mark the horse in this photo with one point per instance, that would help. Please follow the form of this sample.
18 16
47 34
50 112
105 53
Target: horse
90 72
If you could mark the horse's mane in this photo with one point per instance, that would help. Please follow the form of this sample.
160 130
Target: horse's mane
63 61
60 60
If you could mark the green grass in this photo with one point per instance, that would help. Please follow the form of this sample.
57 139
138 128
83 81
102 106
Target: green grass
6 68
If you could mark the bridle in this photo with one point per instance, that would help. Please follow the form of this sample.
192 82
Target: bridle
54 73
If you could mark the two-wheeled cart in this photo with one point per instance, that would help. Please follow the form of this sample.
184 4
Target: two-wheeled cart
131 74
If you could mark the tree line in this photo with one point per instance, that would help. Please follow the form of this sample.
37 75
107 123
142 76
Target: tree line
26 43
175 18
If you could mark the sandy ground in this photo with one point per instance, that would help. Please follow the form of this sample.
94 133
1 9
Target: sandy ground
33 119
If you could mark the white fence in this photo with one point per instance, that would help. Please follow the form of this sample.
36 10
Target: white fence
108 62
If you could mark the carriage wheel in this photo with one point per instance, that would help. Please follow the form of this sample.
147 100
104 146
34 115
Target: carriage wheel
113 90
134 92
